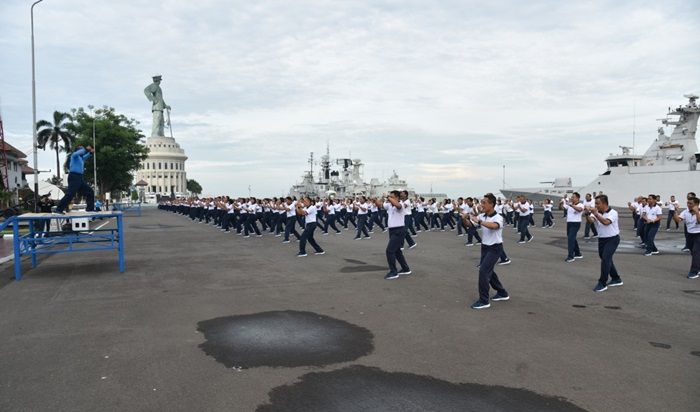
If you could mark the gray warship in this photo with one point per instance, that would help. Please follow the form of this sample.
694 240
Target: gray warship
343 178
668 167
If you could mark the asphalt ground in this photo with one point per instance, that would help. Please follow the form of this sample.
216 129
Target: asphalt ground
329 333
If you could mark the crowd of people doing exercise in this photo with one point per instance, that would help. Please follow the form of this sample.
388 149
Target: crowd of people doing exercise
481 221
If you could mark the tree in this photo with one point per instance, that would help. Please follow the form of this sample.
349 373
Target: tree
57 134
193 187
118 147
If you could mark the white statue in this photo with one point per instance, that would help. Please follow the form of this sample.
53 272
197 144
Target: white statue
155 95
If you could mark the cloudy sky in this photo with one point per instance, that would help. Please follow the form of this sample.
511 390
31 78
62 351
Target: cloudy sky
444 92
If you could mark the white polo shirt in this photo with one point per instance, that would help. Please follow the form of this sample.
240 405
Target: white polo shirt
361 206
310 214
672 206
653 212
548 207
396 216
449 208
613 229
691 221
407 207
523 209
572 215
491 237
419 207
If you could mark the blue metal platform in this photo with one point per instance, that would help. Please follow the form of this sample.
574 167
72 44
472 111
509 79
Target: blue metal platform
50 242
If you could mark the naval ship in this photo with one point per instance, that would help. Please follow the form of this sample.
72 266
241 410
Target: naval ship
668 167
346 181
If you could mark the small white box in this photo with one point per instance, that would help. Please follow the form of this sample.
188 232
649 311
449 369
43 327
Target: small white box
80 224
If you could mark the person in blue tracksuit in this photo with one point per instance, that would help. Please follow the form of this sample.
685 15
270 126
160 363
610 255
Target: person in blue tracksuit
76 183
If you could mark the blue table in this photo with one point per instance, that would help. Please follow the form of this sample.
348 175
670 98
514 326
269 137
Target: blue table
46 242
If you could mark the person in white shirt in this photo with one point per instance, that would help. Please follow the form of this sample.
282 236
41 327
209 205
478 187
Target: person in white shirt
633 206
307 209
688 239
589 203
672 206
374 217
640 209
691 217
548 219
491 224
606 220
574 211
349 214
652 220
290 207
329 207
397 234
408 205
362 212
522 208
448 208
420 214
461 208
472 232
408 218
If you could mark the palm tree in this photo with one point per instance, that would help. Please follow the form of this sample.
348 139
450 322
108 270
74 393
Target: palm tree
57 135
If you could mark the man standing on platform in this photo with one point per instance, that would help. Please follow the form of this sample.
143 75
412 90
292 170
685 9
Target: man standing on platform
76 184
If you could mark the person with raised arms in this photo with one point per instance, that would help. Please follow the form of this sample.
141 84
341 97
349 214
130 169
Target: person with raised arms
608 230
397 234
307 208
491 224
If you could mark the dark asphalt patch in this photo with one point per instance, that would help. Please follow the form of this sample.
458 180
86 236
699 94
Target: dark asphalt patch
364 268
695 353
612 307
660 345
692 292
283 339
361 389
578 306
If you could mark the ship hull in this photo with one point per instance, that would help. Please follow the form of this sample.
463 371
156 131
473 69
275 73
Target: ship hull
534 195
622 187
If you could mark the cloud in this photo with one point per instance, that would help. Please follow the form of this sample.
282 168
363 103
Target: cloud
444 92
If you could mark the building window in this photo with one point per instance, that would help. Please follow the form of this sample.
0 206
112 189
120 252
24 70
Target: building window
159 166
147 166
165 165
171 166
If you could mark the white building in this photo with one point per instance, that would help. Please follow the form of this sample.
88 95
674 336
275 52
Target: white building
17 170
164 169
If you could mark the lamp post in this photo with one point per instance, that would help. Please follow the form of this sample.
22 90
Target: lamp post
94 151
34 144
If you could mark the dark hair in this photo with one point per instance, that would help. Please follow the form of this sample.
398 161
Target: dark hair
395 193
576 194
691 194
603 198
490 198
695 200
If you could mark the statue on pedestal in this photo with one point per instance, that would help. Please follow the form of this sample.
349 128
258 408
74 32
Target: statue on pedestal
155 95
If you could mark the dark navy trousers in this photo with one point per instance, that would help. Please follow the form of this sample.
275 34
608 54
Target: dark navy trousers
606 249
487 277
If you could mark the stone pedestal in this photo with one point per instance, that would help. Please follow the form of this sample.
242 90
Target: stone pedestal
164 169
